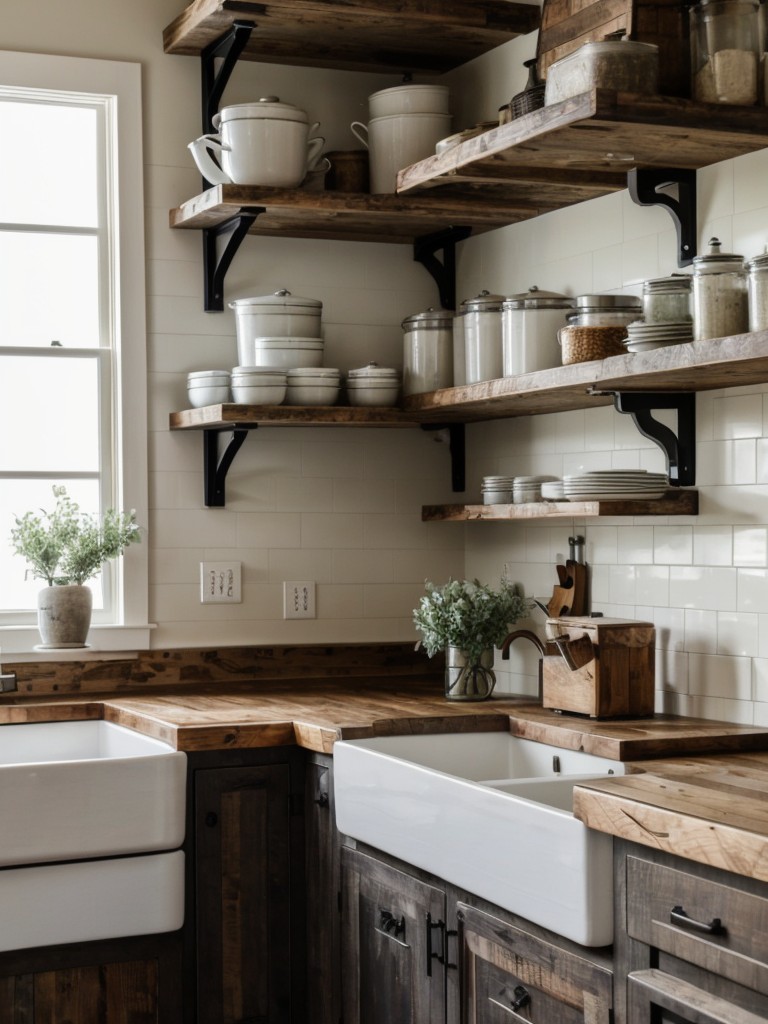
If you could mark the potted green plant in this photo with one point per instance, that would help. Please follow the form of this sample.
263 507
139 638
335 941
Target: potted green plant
66 548
467 620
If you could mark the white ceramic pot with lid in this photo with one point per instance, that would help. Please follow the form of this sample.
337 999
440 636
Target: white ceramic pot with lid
409 99
262 143
280 315
482 337
427 351
529 325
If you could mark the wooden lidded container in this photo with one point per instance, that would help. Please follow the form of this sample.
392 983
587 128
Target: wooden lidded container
614 680
568 24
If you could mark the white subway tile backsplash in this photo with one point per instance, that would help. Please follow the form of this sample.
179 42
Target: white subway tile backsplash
700 631
750 545
702 587
737 633
713 545
753 590
713 675
737 416
673 545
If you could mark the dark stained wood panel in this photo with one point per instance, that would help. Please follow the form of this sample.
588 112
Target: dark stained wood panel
601 130
230 416
676 502
429 36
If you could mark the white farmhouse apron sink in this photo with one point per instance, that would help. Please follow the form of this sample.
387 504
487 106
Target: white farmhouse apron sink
92 818
488 812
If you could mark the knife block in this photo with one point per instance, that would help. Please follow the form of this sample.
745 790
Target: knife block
616 682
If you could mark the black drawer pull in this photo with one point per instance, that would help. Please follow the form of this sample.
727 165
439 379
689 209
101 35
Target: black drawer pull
679 917
522 998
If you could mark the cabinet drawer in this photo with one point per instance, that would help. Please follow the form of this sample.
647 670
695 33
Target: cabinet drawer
718 927
656 996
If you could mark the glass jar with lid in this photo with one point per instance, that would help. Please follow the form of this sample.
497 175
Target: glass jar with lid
529 325
725 51
757 292
667 299
482 337
605 310
720 306
427 351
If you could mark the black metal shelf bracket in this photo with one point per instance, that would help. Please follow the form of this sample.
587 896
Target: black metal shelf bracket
457 448
443 273
228 46
680 448
215 267
645 183
215 469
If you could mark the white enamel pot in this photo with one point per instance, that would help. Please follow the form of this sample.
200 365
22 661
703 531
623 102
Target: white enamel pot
397 141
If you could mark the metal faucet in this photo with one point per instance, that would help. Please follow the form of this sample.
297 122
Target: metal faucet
527 634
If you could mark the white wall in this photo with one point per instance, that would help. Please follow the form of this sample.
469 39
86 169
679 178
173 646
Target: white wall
343 507
702 580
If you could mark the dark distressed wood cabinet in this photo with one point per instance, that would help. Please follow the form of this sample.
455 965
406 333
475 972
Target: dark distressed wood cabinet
691 944
247 900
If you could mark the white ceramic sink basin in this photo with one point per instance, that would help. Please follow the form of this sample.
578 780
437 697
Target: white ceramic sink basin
76 790
488 812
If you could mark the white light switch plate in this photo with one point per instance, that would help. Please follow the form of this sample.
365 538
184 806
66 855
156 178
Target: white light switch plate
299 600
220 583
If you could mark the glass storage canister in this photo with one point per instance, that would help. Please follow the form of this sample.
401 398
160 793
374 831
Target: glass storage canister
482 337
667 300
720 305
427 351
605 310
757 292
529 325
725 51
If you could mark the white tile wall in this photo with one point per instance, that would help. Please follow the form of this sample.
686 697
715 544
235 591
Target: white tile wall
343 507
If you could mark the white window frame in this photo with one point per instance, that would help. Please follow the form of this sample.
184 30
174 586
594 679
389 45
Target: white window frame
120 82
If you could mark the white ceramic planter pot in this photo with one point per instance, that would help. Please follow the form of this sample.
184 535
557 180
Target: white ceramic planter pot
64 615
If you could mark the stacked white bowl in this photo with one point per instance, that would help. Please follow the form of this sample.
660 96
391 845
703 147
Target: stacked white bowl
287 353
497 490
259 385
373 385
313 385
208 387
528 488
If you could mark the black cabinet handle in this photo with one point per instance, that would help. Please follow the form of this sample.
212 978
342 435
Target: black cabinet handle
322 800
521 998
211 819
679 917
391 926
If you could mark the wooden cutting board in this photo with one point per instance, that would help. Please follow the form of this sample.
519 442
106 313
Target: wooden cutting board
568 24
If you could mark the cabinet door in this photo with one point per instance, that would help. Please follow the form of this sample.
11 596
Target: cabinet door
323 879
658 998
510 976
242 894
392 939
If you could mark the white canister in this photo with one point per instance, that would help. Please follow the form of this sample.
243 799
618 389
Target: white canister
427 351
459 352
482 337
720 304
397 141
280 315
409 99
529 325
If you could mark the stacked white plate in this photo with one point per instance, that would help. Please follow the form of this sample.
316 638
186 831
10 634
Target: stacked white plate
287 353
528 488
373 385
553 490
258 385
313 385
642 336
620 484
497 490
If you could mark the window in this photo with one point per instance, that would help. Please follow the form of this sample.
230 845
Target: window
72 321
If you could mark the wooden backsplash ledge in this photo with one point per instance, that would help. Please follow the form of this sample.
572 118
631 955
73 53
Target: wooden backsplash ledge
184 666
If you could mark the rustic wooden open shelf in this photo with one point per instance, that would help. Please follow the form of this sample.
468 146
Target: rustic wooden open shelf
601 132
677 502
230 416
693 366
430 36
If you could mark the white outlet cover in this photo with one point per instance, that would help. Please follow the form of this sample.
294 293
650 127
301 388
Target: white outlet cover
299 599
221 582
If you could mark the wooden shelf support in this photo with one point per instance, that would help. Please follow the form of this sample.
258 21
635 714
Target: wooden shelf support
215 469
644 184
215 267
443 273
457 447
680 448
228 46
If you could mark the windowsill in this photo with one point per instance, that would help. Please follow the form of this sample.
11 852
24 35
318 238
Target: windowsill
105 643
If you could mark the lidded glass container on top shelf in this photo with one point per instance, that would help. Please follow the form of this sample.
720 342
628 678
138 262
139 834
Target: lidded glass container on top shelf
529 325
605 310
720 306
725 51
757 291
667 299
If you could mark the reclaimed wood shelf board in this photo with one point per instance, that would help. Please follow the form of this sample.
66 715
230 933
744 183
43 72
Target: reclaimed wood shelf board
693 366
674 503
402 36
601 132
298 213
231 416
